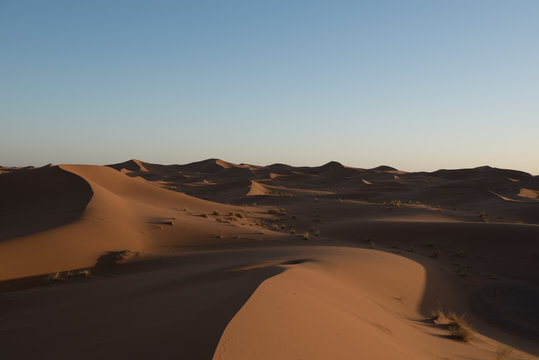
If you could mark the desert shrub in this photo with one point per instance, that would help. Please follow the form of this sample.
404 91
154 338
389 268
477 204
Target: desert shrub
204 215
277 211
215 212
437 316
306 236
463 333
483 216
84 273
457 325
56 276
292 231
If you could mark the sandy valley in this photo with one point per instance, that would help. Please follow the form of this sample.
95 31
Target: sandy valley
235 261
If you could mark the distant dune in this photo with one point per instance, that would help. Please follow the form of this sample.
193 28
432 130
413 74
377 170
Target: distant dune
235 261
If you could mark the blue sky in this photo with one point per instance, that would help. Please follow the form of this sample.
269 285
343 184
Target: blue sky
418 85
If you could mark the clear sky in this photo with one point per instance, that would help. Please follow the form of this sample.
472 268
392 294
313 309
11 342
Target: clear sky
418 85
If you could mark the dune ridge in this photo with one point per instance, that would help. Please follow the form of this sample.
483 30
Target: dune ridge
317 262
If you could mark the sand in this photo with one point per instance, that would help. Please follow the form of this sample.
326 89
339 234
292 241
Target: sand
236 261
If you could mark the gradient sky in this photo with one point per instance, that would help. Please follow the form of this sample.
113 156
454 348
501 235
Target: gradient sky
418 85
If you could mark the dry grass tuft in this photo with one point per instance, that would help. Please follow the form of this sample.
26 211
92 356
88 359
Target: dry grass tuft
372 245
276 211
437 316
457 325
463 333
483 216
306 236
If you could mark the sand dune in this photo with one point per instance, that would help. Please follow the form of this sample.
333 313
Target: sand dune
215 259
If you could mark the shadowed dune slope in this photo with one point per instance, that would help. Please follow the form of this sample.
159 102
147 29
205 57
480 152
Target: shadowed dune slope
53 209
35 200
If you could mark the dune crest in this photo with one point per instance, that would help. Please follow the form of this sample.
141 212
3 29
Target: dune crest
318 262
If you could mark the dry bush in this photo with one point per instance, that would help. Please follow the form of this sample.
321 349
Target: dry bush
462 333
84 273
306 236
56 276
457 325
277 211
483 216
437 316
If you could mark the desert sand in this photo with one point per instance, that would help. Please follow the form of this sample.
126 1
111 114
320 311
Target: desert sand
235 261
